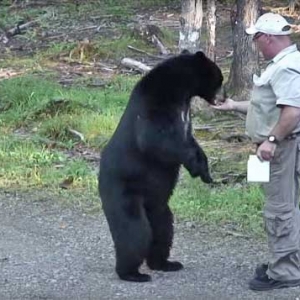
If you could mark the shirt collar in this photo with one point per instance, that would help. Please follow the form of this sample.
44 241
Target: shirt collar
284 52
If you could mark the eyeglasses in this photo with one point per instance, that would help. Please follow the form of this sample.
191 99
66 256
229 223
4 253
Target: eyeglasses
257 36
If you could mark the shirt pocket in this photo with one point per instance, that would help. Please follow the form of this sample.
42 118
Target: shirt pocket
262 80
262 90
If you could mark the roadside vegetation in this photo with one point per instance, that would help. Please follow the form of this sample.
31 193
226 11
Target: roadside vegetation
59 106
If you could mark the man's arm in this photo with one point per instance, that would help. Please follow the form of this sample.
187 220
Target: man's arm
231 105
288 120
241 106
286 86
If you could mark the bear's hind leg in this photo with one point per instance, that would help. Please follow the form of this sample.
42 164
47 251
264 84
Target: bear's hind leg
131 234
127 268
161 222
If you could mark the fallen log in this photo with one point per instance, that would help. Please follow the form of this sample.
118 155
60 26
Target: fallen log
137 65
18 29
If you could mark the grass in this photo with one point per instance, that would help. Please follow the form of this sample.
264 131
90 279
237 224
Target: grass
38 117
239 205
43 106
37 112
110 43
28 162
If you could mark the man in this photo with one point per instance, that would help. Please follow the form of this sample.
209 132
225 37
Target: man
273 124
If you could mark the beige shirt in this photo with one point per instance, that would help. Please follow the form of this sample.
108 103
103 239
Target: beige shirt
278 85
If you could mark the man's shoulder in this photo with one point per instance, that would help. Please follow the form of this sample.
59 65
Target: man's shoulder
291 60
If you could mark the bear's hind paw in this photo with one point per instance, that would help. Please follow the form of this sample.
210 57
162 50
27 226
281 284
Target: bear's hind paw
167 266
136 277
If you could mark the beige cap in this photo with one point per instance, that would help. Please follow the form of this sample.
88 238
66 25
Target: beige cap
270 23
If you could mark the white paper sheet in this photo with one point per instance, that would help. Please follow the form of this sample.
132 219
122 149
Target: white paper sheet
258 171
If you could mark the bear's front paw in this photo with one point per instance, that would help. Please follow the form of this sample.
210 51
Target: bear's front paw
201 172
206 178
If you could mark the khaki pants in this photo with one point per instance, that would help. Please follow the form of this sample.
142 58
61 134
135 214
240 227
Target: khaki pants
281 212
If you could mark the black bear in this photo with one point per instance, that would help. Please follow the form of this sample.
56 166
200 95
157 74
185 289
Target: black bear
140 164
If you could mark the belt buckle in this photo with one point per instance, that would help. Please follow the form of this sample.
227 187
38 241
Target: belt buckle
292 136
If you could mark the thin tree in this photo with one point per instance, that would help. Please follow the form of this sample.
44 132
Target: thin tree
190 25
292 6
245 54
211 21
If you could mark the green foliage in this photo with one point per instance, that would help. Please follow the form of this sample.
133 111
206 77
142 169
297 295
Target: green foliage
139 3
38 117
51 111
236 205
26 163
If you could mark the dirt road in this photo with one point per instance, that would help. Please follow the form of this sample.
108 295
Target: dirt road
47 252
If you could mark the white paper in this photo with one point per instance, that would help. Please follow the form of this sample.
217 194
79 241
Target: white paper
258 171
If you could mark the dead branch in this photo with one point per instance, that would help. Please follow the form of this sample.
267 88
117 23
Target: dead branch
213 127
103 66
87 28
236 234
151 34
100 17
137 65
235 137
18 29
163 50
144 52
77 133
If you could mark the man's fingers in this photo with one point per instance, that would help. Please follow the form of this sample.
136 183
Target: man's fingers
266 155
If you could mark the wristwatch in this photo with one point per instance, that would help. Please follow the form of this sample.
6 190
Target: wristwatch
272 139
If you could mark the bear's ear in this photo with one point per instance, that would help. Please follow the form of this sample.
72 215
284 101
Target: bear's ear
185 51
200 54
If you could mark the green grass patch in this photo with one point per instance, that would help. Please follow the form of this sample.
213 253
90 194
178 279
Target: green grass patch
28 64
36 108
111 43
153 3
108 48
11 17
37 113
25 163
239 206
42 108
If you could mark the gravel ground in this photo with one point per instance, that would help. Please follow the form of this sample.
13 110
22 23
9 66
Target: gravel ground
50 252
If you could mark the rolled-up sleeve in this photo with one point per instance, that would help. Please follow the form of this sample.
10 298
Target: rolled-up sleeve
286 86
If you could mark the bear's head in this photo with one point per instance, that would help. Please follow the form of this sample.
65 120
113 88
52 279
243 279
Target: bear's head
207 78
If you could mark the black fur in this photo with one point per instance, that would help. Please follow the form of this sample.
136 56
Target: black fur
140 164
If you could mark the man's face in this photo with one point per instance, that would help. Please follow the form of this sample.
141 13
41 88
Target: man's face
262 41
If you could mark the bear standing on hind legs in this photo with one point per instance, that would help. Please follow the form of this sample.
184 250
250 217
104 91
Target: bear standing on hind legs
139 166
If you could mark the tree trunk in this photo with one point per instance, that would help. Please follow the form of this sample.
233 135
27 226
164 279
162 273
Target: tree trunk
292 6
245 53
211 29
190 25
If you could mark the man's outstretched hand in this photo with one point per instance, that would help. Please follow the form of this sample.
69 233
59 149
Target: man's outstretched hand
225 105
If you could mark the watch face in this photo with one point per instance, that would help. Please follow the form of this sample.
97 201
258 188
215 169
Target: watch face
272 138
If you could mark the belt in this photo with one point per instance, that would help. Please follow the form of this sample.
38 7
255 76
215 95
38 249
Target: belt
292 136
289 137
